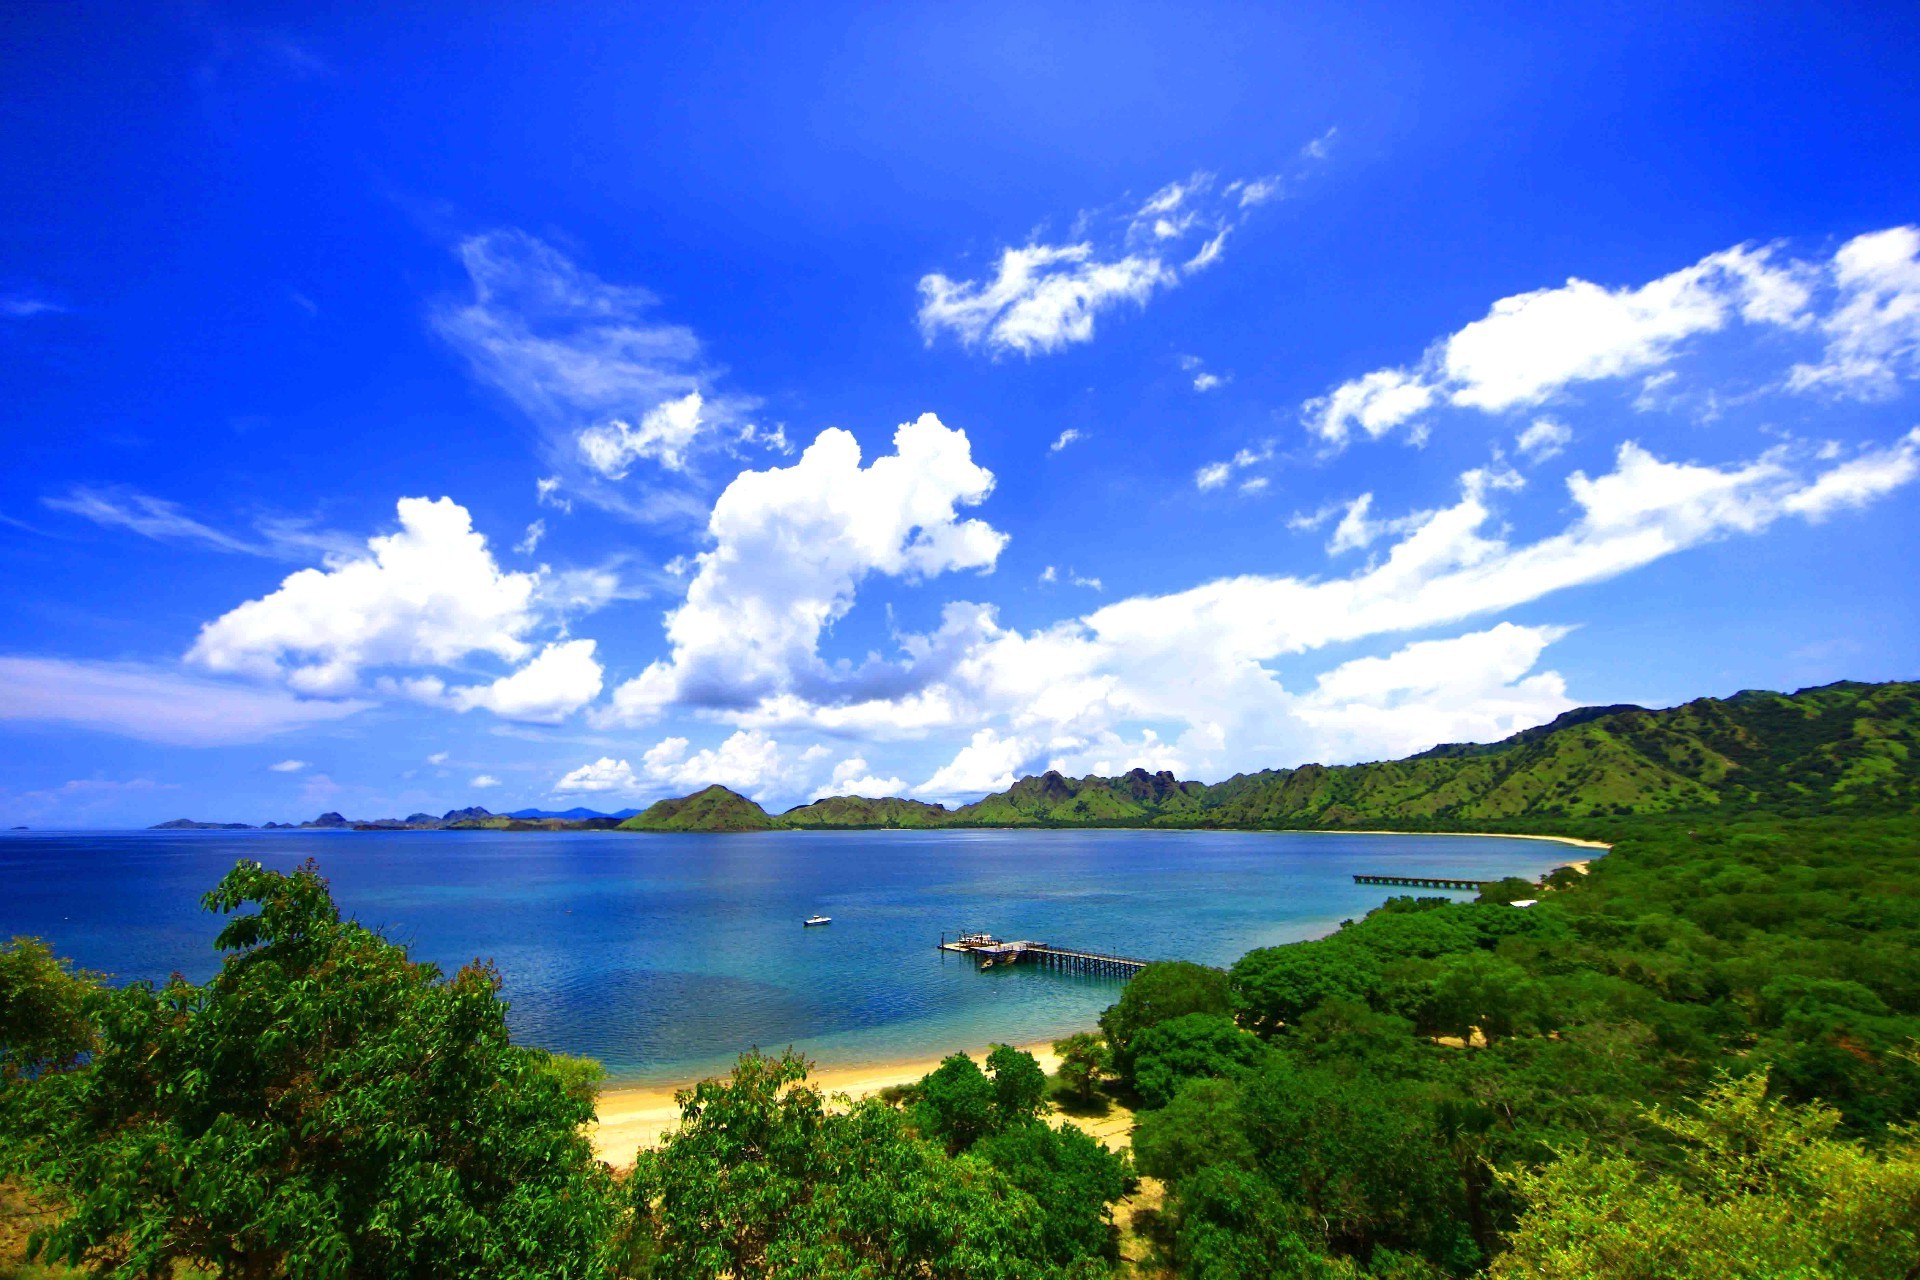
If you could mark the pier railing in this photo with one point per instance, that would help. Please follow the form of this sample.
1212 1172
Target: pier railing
1421 882
990 952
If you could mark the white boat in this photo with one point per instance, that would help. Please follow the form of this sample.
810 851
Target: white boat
811 921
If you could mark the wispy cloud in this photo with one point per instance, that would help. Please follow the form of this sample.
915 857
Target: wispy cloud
612 385
19 305
1066 438
156 703
278 536
1043 296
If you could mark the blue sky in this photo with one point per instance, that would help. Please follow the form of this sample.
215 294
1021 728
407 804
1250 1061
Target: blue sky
428 407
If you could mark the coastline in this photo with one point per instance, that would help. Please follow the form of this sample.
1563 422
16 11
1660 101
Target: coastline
1482 835
628 1118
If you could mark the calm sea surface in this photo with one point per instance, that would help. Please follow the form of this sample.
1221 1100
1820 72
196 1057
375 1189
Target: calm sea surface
665 955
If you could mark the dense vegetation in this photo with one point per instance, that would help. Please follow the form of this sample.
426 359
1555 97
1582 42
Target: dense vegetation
1843 747
1702 1059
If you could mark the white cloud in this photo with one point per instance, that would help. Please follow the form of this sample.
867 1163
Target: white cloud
288 766
852 777
155 704
484 780
1208 382
1471 688
438 757
1214 475
427 595
990 762
1041 298
1049 575
665 435
1204 662
1873 336
1376 403
604 776
144 514
749 761
1531 346
559 681
531 542
1873 474
1543 438
1358 530
791 546
584 359
1066 438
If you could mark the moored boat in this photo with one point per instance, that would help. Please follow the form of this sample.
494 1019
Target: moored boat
811 921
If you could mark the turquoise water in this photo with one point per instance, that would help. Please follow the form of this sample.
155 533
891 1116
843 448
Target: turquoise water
664 956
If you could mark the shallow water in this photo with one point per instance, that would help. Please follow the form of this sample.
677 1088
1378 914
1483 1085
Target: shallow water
665 955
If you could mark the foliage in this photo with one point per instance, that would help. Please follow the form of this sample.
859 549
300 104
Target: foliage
324 1107
1421 1064
763 1180
1084 1058
43 1011
1192 1046
1157 993
1757 1188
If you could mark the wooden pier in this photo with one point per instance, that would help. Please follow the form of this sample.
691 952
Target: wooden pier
1421 882
989 952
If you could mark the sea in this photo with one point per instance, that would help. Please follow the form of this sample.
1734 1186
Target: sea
664 956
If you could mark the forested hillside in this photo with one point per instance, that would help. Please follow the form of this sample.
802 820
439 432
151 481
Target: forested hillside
1839 748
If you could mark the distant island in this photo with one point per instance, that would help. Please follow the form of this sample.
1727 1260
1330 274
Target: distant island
1841 747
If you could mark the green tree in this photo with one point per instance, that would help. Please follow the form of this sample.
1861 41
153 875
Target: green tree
1169 1053
1070 1176
44 1023
1084 1058
1019 1086
956 1103
1158 992
1761 1188
1509 889
324 1107
762 1181
1276 986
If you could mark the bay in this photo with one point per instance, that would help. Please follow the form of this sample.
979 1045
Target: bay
666 955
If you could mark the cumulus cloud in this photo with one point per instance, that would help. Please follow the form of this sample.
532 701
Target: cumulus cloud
560 680
665 435
790 547
749 761
428 595
1532 345
853 777
1043 297
484 780
1200 668
1863 303
156 704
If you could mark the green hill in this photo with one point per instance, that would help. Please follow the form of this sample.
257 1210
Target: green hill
1844 747
859 811
714 809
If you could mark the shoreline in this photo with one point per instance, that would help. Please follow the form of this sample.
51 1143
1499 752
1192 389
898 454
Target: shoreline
1479 835
629 1117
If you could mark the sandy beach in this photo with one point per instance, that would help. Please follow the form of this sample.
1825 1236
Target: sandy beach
636 1117
1483 835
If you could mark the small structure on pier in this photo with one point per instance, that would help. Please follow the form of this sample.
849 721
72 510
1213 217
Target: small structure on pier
1421 882
990 952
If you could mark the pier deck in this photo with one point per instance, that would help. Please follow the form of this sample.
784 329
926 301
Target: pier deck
989 952
1421 882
